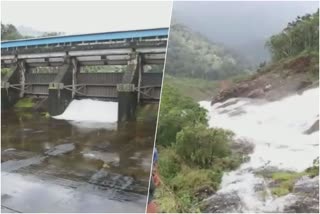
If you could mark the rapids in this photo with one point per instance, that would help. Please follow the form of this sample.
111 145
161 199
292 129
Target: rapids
277 129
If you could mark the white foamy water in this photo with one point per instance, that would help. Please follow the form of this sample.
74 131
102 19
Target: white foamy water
277 131
88 110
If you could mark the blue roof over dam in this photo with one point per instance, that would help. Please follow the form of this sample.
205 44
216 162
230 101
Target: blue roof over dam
107 36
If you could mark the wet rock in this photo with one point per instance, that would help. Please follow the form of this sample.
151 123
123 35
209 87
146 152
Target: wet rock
256 93
60 149
306 191
237 112
224 111
267 87
104 146
5 197
203 192
222 203
14 154
242 146
106 157
307 185
313 128
303 84
244 86
9 150
108 180
231 102
13 165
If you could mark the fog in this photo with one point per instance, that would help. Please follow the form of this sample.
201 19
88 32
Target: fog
241 26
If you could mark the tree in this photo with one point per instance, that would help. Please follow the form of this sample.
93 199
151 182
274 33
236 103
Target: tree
203 146
9 32
177 111
299 35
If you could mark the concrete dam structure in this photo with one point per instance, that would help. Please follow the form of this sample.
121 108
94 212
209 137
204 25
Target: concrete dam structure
65 55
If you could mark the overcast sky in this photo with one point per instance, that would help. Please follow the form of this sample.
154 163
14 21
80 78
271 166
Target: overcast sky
86 17
242 25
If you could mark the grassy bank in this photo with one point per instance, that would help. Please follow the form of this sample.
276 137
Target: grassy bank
282 182
197 89
192 156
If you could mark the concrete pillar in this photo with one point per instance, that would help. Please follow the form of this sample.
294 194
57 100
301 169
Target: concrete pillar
22 79
127 93
127 102
75 71
59 97
10 85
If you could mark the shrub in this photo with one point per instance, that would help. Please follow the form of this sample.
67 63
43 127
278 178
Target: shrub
169 164
176 112
314 170
285 182
191 179
203 146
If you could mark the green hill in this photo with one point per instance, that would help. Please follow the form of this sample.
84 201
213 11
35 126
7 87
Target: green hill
192 55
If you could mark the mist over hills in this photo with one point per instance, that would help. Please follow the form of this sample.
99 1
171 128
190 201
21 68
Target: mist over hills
190 54
29 31
241 26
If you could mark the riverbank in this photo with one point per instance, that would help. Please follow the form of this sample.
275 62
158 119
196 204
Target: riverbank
192 156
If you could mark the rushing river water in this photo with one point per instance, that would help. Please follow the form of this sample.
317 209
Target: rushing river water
277 130
87 163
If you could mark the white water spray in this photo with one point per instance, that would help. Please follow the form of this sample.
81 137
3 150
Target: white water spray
277 131
88 110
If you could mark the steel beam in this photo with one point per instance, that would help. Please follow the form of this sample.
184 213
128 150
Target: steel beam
100 52
42 55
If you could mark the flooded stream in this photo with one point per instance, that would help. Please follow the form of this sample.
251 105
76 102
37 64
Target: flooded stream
279 132
51 165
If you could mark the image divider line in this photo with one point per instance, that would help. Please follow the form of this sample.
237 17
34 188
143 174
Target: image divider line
157 123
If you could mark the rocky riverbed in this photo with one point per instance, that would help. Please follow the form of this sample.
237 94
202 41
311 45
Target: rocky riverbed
285 144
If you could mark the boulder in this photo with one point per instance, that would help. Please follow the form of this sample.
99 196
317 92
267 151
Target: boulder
222 203
307 192
256 93
313 128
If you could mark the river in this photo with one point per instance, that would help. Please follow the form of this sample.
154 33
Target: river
277 130
80 161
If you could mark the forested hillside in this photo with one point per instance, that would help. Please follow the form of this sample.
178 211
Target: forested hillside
294 66
299 35
192 55
9 32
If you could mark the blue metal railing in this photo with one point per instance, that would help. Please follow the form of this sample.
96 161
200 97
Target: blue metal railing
160 32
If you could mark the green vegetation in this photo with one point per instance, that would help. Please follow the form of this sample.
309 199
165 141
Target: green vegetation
314 170
24 103
299 35
192 55
5 72
198 89
176 112
147 112
203 146
192 156
285 180
9 32
45 114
